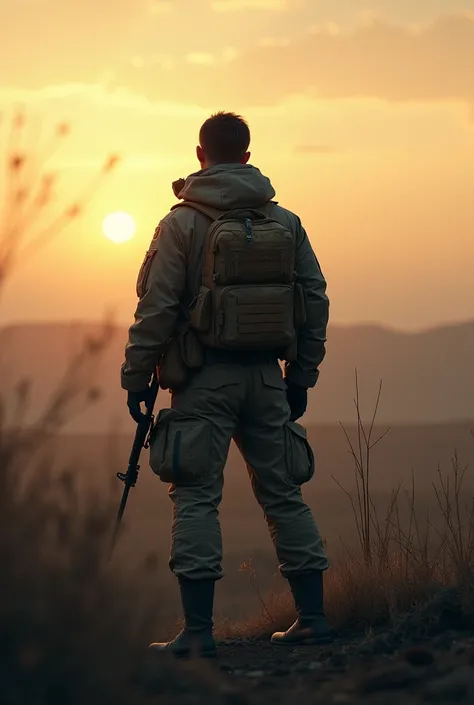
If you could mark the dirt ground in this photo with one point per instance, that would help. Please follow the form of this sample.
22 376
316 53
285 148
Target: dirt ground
428 657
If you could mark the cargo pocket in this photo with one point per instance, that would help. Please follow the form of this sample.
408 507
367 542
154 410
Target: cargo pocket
180 447
299 454
272 376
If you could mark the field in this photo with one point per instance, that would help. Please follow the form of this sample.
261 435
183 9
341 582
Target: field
405 449
75 624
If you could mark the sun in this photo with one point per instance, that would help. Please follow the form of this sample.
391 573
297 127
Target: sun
119 227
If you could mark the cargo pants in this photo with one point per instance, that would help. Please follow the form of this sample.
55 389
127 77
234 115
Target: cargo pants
189 450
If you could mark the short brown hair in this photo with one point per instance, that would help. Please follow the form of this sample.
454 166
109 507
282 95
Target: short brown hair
225 138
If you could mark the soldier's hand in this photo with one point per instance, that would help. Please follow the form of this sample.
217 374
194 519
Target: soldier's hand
297 398
134 401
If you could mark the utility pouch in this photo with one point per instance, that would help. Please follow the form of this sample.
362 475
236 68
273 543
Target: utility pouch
254 317
191 348
172 370
201 311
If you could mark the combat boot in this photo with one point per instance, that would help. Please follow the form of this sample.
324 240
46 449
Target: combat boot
196 639
311 627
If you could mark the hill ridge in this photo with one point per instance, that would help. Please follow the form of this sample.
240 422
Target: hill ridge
428 375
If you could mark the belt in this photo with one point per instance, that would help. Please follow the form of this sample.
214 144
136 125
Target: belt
213 356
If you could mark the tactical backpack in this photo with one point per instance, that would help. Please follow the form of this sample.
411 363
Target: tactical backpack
249 299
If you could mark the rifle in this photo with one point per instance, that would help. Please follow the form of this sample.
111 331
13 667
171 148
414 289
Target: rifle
141 441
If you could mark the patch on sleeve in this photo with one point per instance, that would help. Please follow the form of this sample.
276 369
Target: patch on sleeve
144 272
146 264
155 237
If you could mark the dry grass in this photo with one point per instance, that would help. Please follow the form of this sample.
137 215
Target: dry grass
74 625
402 558
29 216
71 627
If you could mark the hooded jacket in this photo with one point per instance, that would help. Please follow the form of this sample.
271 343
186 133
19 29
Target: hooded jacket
170 276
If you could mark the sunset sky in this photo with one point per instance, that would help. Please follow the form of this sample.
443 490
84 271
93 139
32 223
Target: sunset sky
362 115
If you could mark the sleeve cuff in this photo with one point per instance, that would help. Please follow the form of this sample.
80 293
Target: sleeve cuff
295 375
134 383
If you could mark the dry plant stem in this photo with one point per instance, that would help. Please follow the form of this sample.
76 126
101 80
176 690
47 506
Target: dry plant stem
362 507
29 220
62 605
458 521
247 567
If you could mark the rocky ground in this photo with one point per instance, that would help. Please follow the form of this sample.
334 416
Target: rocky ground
427 657
438 671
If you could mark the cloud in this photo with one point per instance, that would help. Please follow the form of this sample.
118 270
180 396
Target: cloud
390 62
408 11
380 60
274 42
72 94
315 149
200 58
161 7
239 5
230 53
326 27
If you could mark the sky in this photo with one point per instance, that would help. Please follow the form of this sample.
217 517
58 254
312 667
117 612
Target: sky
361 111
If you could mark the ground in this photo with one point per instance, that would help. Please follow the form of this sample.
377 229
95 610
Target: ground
440 671
428 657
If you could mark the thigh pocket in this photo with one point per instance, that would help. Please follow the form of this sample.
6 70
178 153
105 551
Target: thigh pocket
180 446
299 454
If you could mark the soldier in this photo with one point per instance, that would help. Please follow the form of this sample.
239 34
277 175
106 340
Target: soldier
238 271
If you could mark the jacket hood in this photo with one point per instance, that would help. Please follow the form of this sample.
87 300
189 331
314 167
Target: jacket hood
226 186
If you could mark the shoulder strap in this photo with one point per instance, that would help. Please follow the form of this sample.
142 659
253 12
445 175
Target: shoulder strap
215 213
212 213
267 208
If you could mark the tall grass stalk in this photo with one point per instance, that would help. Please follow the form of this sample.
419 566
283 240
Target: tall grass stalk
402 558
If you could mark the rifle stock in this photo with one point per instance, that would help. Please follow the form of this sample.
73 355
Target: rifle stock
131 476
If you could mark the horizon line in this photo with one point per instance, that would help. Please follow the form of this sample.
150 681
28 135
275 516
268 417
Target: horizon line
78 322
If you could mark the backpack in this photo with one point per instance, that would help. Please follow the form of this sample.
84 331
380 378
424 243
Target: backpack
249 299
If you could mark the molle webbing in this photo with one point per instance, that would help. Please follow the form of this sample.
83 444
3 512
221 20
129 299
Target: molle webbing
246 300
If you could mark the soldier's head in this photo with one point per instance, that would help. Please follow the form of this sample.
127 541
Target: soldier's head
223 139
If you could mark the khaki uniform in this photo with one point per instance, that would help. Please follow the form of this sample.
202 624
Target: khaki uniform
224 400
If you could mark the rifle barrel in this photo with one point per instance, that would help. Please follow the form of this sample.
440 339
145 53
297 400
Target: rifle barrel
131 476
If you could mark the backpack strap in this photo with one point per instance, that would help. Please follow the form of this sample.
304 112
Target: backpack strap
215 213
266 209
212 213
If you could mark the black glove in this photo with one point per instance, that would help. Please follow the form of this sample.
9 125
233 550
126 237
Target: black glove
297 398
134 400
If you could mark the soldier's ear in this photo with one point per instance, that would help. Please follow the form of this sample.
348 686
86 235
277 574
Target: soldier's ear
246 158
200 154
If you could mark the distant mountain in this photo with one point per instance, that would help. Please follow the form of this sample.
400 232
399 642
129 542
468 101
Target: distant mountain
428 377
